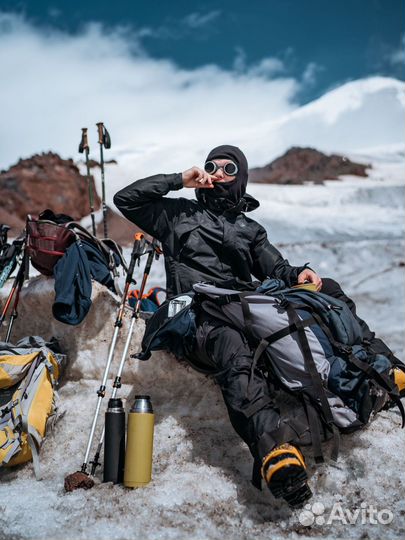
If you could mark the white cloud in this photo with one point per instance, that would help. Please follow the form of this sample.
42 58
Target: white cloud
174 29
398 56
310 73
198 20
163 118
53 84
267 67
239 62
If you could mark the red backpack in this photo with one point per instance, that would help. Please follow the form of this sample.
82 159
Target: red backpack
47 242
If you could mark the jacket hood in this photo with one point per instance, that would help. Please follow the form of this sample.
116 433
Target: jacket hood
226 196
250 203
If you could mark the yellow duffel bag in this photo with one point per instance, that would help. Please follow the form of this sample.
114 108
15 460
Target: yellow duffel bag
28 403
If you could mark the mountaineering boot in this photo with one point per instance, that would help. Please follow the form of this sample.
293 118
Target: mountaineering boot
284 471
399 379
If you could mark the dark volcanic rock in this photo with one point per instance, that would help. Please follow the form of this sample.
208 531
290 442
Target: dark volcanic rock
299 165
43 181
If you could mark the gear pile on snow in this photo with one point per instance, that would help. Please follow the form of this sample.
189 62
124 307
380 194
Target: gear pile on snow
29 372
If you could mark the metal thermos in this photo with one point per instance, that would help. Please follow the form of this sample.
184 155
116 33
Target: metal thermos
114 446
138 457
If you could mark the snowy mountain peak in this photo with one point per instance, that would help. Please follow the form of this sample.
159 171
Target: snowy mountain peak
354 118
354 95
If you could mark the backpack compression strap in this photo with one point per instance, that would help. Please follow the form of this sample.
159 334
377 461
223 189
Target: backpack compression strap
299 326
316 379
379 379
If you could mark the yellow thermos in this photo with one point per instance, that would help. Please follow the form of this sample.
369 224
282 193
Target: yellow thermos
138 456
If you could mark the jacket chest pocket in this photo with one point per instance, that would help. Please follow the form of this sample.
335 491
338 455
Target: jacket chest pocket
236 245
205 243
185 235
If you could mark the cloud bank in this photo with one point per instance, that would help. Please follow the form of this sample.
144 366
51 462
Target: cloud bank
53 84
163 118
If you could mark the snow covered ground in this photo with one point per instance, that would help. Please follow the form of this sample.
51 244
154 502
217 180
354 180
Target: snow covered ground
352 231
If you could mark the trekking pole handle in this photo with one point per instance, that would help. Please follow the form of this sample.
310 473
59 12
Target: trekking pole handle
157 247
100 130
138 304
103 136
149 262
84 143
137 251
154 252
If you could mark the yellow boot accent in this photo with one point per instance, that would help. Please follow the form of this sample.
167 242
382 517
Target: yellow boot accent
285 473
280 465
399 379
284 448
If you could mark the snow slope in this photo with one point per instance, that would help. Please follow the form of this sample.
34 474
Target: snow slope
351 231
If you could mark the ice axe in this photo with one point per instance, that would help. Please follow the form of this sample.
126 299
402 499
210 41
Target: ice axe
104 140
81 479
84 147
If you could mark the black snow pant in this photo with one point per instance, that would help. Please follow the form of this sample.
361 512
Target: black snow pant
261 420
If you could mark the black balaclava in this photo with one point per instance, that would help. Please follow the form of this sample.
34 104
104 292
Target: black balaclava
225 196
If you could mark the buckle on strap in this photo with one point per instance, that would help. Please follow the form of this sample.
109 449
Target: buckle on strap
283 302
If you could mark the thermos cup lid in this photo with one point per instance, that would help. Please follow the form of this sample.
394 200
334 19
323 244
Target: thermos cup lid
115 403
142 404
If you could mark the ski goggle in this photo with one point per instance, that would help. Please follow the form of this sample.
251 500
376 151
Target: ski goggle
230 168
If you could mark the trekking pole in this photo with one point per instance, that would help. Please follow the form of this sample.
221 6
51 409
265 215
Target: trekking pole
3 234
104 141
17 284
137 251
8 301
155 252
11 255
84 147
21 276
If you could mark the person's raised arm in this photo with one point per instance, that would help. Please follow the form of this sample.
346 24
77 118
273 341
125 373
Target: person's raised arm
144 203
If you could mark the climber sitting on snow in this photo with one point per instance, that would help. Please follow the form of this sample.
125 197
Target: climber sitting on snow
211 240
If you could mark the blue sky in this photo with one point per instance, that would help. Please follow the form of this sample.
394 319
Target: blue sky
322 43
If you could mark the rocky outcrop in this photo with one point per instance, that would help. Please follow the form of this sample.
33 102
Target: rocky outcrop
299 165
43 181
119 229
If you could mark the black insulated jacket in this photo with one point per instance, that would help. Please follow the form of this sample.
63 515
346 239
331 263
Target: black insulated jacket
200 244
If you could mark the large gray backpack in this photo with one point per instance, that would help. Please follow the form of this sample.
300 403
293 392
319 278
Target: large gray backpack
326 380
311 344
